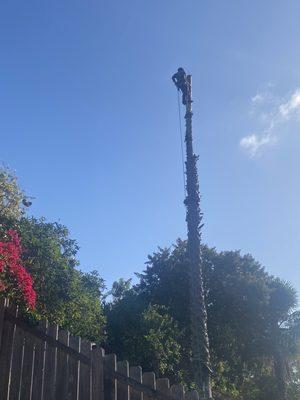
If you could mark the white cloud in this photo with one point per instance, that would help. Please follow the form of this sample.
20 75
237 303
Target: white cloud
253 143
258 98
292 106
263 98
275 114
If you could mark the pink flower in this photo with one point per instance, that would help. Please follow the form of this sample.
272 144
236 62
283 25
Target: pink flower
13 272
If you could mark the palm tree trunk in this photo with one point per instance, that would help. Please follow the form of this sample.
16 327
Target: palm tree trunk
280 375
198 313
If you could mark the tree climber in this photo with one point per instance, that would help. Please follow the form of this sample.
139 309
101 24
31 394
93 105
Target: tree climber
180 80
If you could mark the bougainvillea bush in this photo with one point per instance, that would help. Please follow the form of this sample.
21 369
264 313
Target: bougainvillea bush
15 281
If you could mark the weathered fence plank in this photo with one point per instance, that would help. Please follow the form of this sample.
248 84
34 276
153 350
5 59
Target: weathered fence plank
192 395
17 365
85 376
50 365
27 369
39 363
110 383
2 311
123 388
163 385
6 353
97 374
73 367
136 374
177 392
61 386
150 382
44 363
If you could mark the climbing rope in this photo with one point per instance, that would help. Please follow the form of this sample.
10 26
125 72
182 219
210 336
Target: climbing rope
181 143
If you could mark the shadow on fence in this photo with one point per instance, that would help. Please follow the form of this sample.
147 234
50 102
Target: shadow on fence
47 363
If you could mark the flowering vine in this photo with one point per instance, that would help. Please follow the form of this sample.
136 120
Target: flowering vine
15 281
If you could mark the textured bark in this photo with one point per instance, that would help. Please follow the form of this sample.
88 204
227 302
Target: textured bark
281 375
198 313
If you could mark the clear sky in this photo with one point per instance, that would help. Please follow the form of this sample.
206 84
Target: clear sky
89 122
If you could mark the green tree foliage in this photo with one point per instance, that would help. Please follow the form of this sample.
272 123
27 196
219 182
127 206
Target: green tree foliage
119 289
293 389
50 258
161 336
253 326
11 195
246 307
83 312
65 295
147 334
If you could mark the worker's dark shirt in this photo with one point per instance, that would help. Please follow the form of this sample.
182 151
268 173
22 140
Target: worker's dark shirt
179 78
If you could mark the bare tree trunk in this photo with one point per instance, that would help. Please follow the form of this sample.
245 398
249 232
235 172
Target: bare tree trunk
198 313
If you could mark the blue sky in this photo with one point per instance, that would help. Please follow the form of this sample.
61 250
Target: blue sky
89 122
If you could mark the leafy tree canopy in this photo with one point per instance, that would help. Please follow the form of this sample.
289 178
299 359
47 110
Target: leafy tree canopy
11 196
65 295
253 326
250 316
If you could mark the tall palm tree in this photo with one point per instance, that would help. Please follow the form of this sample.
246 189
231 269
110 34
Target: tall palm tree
283 333
198 313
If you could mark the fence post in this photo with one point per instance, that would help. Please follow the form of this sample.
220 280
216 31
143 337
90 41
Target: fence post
39 363
62 366
192 395
50 365
163 386
17 364
85 372
177 392
136 374
123 388
2 311
97 374
149 380
73 369
28 360
110 387
6 352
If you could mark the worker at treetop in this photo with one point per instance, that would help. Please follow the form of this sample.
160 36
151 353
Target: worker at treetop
180 80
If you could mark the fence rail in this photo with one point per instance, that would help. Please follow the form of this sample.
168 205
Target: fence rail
47 363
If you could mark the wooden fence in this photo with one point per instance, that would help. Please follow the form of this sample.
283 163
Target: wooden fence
47 363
